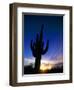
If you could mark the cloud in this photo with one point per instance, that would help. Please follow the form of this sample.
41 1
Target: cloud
28 61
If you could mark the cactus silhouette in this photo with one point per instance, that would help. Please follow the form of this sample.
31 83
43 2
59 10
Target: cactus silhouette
38 49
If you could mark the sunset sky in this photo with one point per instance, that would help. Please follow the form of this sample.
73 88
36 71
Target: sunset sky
53 31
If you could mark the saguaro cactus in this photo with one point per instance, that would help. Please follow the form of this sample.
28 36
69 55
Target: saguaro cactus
38 49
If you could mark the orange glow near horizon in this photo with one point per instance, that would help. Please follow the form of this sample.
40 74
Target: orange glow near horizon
45 67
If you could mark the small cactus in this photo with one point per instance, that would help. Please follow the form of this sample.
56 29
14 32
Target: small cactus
38 49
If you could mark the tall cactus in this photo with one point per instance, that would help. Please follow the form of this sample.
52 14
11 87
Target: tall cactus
38 49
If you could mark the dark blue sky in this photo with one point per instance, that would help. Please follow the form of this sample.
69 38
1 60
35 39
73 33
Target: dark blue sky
53 31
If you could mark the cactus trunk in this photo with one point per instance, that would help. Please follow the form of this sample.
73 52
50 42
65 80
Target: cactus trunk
37 64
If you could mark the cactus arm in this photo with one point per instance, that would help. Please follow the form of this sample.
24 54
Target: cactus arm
34 54
33 49
46 49
31 45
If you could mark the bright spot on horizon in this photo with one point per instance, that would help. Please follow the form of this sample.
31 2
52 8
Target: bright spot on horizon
44 67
